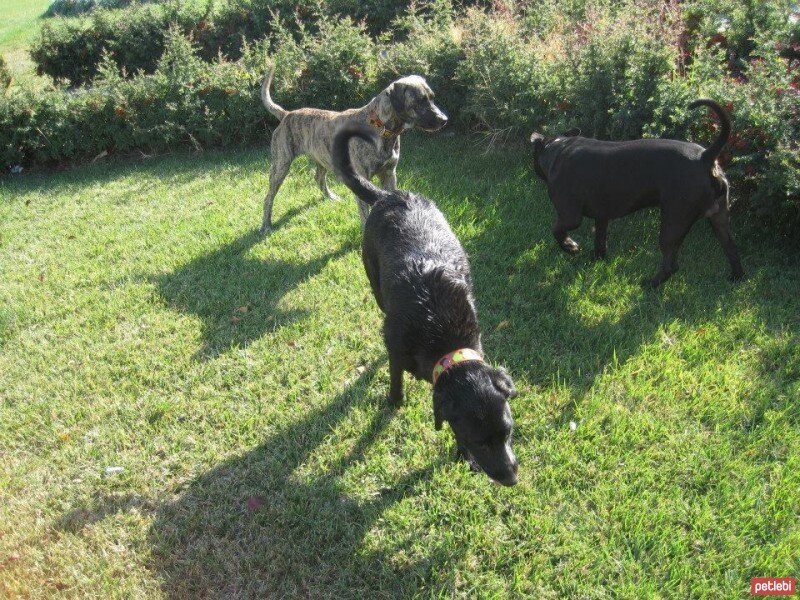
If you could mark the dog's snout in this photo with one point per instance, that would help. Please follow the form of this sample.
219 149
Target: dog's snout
509 480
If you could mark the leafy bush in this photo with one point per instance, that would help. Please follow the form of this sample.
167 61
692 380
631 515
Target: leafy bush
430 46
336 67
186 103
71 8
71 49
734 26
5 74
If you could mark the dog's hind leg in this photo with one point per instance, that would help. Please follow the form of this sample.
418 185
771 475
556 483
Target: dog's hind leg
322 181
600 238
277 173
721 224
674 228
363 212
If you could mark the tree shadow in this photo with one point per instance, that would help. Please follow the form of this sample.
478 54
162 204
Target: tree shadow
236 295
256 527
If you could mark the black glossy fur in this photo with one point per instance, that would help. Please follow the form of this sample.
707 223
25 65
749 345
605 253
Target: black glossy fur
420 277
606 180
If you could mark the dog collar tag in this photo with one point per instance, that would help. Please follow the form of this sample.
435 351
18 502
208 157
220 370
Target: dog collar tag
453 358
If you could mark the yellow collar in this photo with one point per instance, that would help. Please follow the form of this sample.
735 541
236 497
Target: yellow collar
453 358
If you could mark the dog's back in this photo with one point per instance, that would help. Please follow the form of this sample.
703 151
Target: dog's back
418 270
617 178
411 240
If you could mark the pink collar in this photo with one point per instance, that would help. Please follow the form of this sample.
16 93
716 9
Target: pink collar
453 358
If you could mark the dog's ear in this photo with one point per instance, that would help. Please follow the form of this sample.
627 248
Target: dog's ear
385 107
395 93
438 418
442 409
575 131
502 381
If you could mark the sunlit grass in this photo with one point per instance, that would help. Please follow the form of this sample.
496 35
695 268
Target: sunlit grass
240 383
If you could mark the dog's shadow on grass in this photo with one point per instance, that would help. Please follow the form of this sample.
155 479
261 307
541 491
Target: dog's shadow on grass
254 526
236 295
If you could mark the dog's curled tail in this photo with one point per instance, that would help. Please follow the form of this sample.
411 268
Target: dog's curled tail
276 110
343 166
711 153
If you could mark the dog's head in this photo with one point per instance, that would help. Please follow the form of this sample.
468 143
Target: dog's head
473 398
410 100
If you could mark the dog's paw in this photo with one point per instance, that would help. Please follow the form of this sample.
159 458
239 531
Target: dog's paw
265 230
334 196
737 277
570 246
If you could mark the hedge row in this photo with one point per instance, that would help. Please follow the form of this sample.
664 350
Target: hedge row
71 8
71 49
185 103
617 74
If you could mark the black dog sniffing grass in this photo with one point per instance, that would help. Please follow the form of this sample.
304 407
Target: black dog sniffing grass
606 180
421 279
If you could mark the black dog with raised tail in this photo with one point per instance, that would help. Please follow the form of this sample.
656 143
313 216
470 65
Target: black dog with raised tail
606 180
421 279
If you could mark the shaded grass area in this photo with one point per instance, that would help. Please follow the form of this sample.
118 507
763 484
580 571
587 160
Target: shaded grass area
240 383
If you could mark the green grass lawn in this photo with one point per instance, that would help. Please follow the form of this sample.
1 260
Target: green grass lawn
19 22
241 385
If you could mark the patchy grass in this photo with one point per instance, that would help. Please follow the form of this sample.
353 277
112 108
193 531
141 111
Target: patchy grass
240 383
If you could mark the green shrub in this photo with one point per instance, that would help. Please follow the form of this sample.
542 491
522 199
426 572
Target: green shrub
5 74
615 68
187 102
431 47
71 49
735 25
71 8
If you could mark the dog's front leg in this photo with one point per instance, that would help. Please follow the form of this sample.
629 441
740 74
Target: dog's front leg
568 217
389 178
561 232
600 238
395 381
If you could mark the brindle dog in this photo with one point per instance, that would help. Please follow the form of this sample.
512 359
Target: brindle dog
406 103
